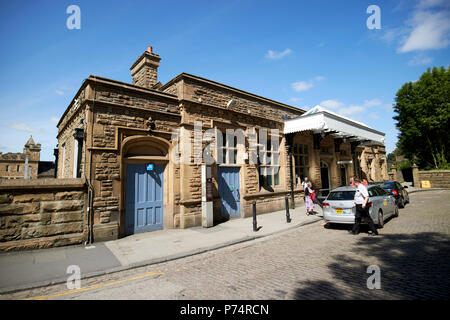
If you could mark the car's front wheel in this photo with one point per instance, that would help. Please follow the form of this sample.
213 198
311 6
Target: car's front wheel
380 219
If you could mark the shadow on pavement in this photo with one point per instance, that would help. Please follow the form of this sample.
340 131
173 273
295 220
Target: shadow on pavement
414 266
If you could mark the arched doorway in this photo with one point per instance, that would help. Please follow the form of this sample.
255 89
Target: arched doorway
144 185
325 175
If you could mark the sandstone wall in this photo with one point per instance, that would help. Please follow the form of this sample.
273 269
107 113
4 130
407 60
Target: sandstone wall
437 178
42 213
219 96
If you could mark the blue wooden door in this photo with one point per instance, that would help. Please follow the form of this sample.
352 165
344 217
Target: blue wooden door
229 191
144 198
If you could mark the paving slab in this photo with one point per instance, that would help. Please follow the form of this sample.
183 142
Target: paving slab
46 266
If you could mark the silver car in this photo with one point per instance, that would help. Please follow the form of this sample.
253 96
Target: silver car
338 207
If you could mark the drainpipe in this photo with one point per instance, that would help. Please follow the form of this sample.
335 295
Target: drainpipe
90 186
290 140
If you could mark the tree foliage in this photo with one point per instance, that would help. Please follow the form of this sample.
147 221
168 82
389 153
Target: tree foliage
423 113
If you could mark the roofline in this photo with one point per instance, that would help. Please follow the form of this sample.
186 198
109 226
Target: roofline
218 84
98 79
340 118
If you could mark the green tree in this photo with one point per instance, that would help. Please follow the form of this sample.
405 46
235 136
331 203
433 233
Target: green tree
423 113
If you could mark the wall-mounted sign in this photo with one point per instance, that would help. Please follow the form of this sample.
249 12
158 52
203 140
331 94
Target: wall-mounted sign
425 184
150 167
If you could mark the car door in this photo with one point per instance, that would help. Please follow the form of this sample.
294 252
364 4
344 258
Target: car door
375 200
388 201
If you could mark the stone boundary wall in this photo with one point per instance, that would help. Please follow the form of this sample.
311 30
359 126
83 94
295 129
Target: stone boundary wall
437 178
42 213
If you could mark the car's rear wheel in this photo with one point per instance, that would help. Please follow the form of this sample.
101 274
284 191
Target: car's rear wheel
401 204
396 211
380 219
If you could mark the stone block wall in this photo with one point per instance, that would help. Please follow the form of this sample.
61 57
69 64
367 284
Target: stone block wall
216 96
437 178
42 213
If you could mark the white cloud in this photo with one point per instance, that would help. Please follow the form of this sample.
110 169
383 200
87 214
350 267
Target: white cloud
294 99
59 92
429 3
21 127
302 86
428 28
371 103
54 119
332 104
352 109
420 60
306 85
275 55
374 116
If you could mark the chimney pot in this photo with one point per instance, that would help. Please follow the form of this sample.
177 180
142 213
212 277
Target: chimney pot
149 49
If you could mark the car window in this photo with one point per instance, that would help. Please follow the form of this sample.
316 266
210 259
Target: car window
398 186
341 195
373 192
381 192
387 185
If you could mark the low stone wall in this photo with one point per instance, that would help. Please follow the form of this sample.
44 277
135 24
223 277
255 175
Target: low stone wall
42 213
437 178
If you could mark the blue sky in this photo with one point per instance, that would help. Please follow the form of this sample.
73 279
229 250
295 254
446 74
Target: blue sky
302 53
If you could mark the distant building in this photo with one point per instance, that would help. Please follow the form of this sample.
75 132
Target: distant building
12 165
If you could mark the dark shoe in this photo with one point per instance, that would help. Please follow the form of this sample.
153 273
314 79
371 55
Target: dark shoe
351 232
373 234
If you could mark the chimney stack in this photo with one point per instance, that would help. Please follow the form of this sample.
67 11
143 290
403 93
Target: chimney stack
145 70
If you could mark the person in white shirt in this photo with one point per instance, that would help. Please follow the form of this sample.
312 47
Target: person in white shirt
362 209
307 187
305 182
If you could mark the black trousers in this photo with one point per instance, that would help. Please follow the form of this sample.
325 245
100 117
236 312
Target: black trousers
363 213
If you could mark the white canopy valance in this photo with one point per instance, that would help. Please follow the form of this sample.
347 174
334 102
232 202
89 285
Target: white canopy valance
321 120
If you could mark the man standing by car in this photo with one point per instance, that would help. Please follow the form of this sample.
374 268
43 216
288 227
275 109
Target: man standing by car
362 209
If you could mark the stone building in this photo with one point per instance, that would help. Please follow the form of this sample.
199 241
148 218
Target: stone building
141 146
12 165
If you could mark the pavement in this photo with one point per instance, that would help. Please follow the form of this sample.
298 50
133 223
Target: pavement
37 268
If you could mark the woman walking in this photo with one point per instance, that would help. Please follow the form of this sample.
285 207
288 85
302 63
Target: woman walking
308 201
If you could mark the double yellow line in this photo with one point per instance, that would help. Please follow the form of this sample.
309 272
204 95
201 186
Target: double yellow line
103 285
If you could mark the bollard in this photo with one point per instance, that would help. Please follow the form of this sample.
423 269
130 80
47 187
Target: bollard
288 216
255 228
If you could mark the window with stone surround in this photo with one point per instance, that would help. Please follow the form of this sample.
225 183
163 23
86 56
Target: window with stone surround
301 160
269 168
229 149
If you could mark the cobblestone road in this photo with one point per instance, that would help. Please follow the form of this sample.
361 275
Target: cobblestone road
311 262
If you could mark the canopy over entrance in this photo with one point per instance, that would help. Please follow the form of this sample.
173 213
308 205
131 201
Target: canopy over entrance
321 120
